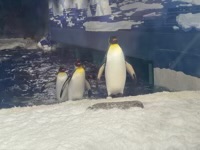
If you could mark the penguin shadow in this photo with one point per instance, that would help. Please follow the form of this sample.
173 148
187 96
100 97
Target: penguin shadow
116 95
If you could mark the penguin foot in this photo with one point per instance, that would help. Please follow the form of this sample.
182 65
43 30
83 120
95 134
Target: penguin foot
117 95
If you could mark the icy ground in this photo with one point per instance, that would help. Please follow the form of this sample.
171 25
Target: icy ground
17 42
169 121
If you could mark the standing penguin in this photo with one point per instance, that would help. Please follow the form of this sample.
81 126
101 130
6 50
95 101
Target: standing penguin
115 67
74 86
61 78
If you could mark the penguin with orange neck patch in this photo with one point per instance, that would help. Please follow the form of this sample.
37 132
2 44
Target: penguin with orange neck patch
115 67
75 85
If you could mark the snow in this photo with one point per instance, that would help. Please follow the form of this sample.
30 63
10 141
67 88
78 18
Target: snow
57 21
169 120
184 5
93 2
28 44
104 26
67 4
99 11
188 21
141 6
129 13
174 80
57 8
59 5
44 47
80 4
195 2
153 14
12 43
175 27
104 5
89 13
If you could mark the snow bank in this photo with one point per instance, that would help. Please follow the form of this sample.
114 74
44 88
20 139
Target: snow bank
139 6
175 27
104 26
153 14
176 81
17 42
188 21
168 121
195 2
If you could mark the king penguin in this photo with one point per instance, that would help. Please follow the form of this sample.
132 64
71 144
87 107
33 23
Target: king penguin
60 79
115 67
75 85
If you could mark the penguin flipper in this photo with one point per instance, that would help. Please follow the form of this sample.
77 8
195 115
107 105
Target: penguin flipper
130 70
101 69
88 87
66 83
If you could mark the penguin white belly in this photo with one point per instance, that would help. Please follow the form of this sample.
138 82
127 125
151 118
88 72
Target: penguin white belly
115 73
76 86
61 78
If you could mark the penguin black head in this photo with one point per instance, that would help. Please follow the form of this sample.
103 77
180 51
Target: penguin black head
78 63
113 40
62 69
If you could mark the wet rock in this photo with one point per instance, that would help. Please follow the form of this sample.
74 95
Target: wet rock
120 105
